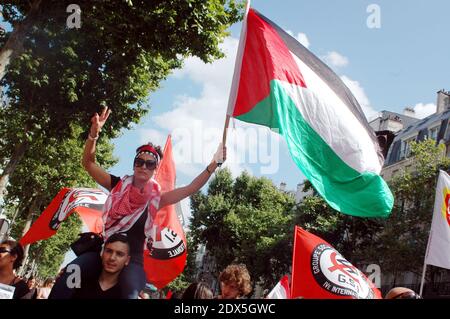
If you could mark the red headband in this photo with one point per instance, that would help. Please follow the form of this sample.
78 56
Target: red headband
147 148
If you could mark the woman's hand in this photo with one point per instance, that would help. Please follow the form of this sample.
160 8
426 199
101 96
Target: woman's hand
221 154
98 121
174 196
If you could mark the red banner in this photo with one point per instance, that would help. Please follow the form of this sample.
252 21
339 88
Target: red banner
167 257
319 271
87 202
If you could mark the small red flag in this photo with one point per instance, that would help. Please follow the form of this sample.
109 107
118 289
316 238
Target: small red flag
167 257
319 271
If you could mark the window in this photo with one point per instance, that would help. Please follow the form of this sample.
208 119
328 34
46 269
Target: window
405 150
434 132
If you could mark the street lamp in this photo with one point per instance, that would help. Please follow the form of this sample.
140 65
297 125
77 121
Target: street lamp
4 226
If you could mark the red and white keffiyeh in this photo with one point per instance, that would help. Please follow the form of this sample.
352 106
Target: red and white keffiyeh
126 203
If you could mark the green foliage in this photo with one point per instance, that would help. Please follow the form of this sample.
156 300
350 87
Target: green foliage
188 275
121 54
248 220
402 242
244 221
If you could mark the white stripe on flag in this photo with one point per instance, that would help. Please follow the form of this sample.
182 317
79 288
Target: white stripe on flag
281 290
334 122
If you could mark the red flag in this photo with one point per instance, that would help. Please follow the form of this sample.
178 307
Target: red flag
319 271
87 202
167 257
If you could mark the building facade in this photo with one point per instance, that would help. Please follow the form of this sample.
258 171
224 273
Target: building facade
434 126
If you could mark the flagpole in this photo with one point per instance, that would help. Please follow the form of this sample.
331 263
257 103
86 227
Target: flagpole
422 281
233 91
225 130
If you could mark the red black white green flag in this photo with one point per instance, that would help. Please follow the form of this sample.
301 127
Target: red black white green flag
278 83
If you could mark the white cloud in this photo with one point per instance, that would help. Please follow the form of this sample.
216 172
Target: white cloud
335 59
360 95
303 39
196 123
152 135
424 110
300 37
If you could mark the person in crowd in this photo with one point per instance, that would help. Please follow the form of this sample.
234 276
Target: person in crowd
115 257
11 256
44 291
235 282
197 290
32 286
31 282
402 293
130 207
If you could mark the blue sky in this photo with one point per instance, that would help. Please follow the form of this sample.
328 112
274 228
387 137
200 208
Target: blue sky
401 64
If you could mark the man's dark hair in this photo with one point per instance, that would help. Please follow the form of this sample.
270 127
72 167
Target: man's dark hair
197 290
16 250
122 237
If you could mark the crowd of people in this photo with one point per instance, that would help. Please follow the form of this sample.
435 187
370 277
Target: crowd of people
128 214
115 257
235 281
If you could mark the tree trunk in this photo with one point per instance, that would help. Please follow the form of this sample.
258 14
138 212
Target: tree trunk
18 154
13 220
31 212
14 44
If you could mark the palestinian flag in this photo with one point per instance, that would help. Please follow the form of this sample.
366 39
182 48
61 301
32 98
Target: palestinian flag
278 83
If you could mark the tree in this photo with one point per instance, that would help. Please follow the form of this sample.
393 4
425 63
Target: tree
63 76
180 27
402 242
244 221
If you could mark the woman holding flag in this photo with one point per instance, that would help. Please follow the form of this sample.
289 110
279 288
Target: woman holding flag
130 208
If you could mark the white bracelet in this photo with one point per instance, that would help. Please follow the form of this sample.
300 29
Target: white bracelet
92 138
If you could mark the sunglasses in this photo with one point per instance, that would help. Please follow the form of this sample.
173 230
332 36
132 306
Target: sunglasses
149 164
4 250
407 295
